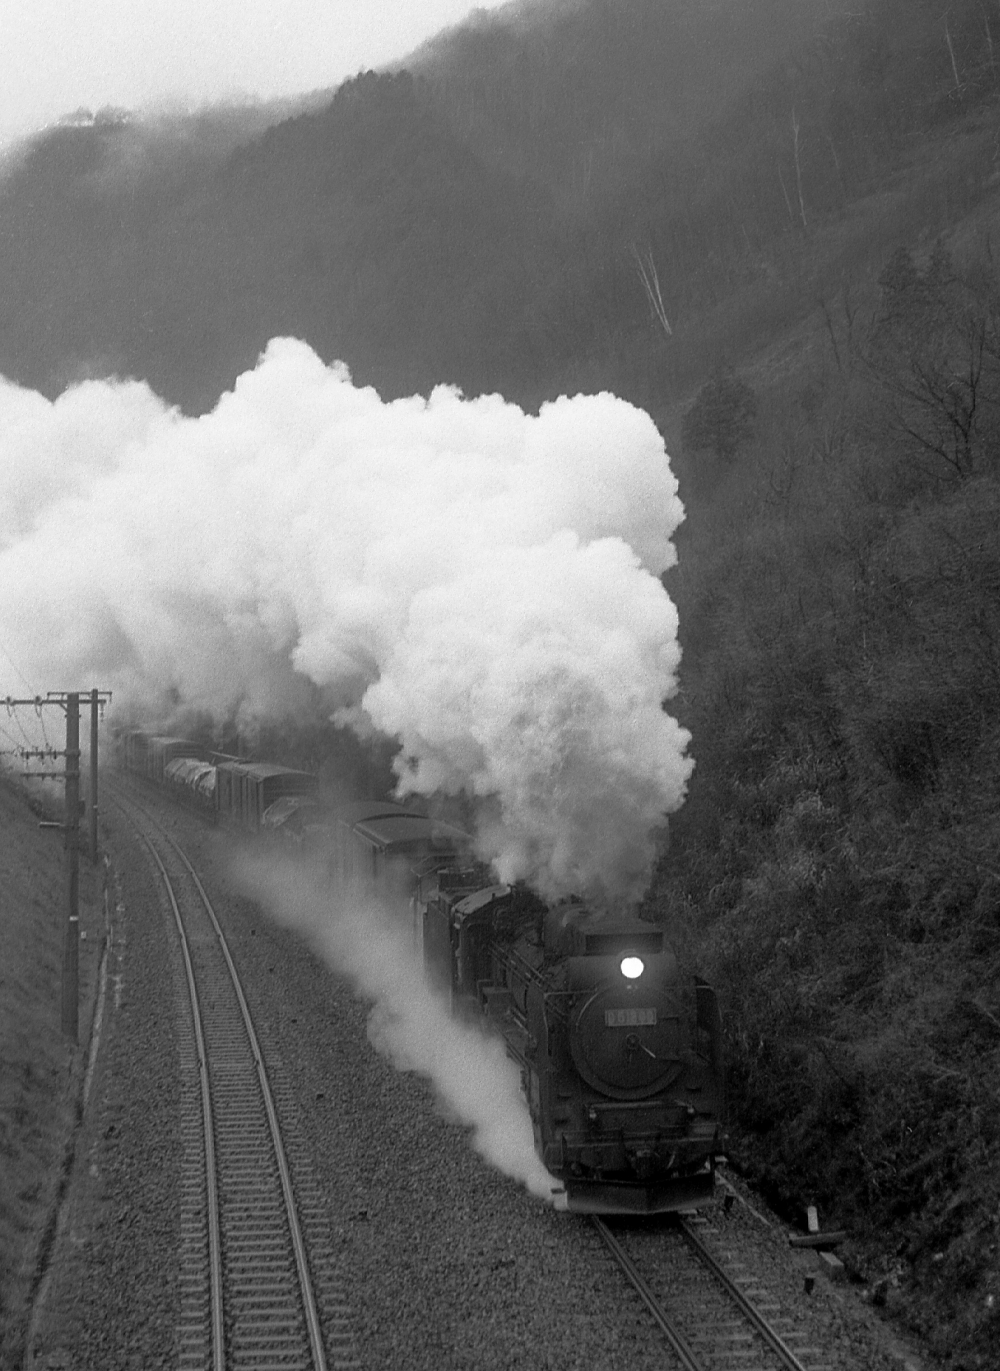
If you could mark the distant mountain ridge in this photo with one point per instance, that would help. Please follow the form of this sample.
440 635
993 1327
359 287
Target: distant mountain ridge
367 228
483 218
583 94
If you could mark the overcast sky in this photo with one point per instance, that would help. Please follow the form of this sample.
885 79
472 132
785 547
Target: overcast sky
58 55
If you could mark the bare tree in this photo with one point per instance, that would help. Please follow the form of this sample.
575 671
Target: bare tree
951 54
934 350
798 167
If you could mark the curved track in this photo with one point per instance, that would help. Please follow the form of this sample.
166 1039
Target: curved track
705 1313
247 1289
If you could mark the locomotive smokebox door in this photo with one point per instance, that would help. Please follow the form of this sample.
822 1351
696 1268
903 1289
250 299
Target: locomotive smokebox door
623 1047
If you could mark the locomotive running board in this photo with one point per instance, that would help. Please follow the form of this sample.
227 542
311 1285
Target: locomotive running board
664 1197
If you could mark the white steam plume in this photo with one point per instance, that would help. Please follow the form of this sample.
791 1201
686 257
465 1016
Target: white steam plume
479 582
362 936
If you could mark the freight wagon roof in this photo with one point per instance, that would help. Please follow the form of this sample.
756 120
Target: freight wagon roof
399 830
357 811
283 810
167 748
264 771
268 771
480 899
188 769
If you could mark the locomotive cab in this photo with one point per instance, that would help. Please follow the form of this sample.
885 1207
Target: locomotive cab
464 923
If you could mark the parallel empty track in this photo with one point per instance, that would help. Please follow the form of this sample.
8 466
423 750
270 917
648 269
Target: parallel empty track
705 1312
250 1252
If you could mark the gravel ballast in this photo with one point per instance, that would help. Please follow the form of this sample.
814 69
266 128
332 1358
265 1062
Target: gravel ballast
444 1262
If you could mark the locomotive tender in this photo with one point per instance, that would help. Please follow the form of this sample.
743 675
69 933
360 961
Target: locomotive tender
620 1057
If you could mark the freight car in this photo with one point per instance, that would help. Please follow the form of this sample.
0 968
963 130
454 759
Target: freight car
149 754
178 763
376 839
397 849
194 779
229 788
621 1062
246 790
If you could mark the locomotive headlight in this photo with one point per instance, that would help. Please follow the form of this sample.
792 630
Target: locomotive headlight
632 967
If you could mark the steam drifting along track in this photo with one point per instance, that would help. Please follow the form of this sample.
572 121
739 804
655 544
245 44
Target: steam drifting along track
252 1252
705 1312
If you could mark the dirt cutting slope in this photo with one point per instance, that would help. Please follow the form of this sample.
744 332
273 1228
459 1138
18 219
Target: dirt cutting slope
40 1070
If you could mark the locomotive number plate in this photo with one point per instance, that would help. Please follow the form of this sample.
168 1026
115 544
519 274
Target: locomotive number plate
629 1018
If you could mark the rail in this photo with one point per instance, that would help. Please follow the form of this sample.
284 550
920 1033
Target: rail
697 1323
260 1302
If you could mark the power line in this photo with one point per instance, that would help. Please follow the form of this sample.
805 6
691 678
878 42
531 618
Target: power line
41 720
27 683
17 720
19 750
16 749
28 750
24 679
11 739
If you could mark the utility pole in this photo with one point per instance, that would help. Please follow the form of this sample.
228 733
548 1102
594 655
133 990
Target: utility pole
71 844
70 702
95 704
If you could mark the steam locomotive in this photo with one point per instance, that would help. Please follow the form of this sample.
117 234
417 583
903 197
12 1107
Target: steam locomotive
621 1058
622 1069
621 1062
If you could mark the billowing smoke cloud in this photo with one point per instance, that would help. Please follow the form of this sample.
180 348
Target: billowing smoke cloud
364 938
478 582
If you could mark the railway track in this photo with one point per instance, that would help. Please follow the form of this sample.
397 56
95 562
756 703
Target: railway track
705 1311
254 1246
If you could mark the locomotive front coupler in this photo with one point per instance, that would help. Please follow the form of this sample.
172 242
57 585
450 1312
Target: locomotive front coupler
645 1162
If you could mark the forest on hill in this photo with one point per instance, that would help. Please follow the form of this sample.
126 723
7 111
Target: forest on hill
771 224
613 194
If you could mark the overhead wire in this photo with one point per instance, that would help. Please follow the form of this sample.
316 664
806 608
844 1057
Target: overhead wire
41 719
24 680
31 691
13 714
11 739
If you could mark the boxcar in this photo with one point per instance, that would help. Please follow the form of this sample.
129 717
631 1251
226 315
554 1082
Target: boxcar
374 837
377 844
244 790
162 751
135 751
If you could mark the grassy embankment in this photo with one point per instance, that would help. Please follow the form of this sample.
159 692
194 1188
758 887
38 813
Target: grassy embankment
39 1070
